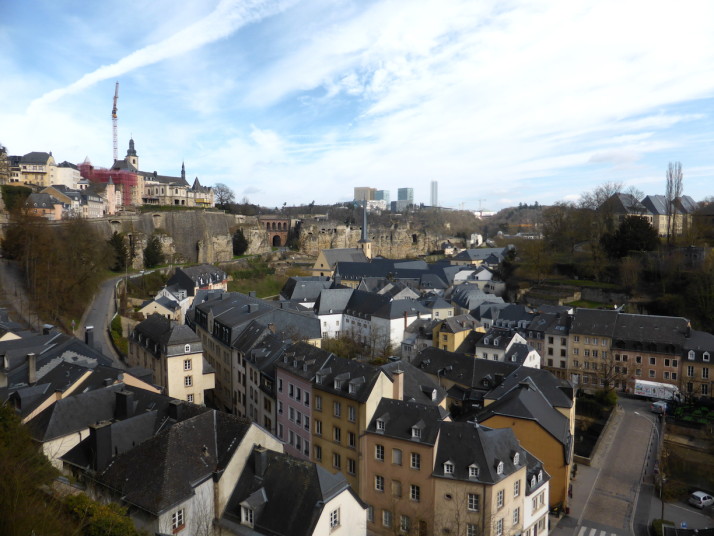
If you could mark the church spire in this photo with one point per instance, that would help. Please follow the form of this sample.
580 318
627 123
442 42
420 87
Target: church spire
183 171
364 242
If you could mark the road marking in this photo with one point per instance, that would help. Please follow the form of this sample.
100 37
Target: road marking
582 531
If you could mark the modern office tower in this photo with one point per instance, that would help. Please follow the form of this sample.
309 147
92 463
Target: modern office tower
406 194
382 195
364 193
434 193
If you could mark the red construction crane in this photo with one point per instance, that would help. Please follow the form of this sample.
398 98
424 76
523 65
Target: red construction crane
114 123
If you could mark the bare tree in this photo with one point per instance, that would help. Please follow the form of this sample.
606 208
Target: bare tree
223 195
673 193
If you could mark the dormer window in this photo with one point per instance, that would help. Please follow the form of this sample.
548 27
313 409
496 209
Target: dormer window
473 471
448 468
338 384
540 475
533 481
247 516
380 425
691 355
416 432
352 388
187 348
499 468
516 458
705 357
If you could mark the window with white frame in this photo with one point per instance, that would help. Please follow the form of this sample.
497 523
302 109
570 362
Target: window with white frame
516 488
499 499
516 516
247 516
370 513
189 398
499 527
187 348
379 483
336 409
379 452
473 471
187 364
177 520
473 502
386 518
448 468
335 518
415 460
318 402
380 425
351 414
188 381
404 523
471 529
499 468
415 493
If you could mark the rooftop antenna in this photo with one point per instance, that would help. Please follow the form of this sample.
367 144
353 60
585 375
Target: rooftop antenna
115 137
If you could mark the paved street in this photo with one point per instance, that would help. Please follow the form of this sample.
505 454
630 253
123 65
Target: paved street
615 495
99 315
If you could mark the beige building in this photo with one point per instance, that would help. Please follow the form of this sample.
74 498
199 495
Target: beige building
174 354
345 397
327 259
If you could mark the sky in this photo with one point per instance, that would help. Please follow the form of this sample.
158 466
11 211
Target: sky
286 101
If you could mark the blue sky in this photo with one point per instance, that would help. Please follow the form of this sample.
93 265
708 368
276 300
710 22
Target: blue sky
294 101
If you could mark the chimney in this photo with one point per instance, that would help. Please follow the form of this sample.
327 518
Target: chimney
398 385
124 405
175 410
47 329
100 444
89 336
252 307
251 293
31 368
260 458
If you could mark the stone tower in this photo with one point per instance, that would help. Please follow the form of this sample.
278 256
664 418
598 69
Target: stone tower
365 244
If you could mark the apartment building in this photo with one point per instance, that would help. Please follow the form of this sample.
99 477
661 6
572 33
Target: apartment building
174 355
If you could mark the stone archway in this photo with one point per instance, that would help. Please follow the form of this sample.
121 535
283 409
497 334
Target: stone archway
276 241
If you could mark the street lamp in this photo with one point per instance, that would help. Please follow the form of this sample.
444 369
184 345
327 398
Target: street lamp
662 478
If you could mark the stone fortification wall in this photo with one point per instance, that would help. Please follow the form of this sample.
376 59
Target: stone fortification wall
396 241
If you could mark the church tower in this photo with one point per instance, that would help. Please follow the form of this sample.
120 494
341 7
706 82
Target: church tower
131 157
364 242
183 172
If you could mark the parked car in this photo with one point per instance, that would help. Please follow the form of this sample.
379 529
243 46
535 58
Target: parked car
701 499
658 407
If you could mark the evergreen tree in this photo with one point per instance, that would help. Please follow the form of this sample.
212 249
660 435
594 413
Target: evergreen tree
635 233
153 254
121 252
240 243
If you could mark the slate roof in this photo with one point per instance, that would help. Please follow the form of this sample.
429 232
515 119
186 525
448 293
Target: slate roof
656 204
482 374
164 470
559 393
332 301
167 334
190 277
36 157
626 203
398 308
465 444
525 401
163 179
598 322
351 375
287 494
304 360
41 201
686 204
364 304
51 349
413 273
399 416
650 329
699 342
459 323
333 256
496 337
518 353
304 289
77 412
418 386
481 254
557 324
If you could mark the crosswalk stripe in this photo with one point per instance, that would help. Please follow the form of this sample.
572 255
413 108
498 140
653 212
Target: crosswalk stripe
593 532
582 531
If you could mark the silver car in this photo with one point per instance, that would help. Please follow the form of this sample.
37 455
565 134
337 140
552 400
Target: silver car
701 499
